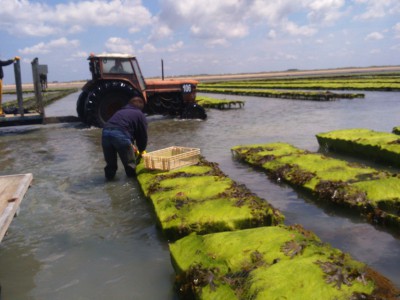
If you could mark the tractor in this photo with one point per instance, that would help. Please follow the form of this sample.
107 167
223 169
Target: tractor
117 77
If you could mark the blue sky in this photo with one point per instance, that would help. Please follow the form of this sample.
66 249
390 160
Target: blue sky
200 36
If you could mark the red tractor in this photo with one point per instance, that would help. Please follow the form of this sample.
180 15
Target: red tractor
116 77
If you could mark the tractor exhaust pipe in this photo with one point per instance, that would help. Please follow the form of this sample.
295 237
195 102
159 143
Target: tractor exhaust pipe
162 69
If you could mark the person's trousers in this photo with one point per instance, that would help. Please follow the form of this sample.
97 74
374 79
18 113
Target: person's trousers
1 96
116 142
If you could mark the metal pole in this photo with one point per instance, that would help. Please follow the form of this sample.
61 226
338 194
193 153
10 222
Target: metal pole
37 86
18 85
162 69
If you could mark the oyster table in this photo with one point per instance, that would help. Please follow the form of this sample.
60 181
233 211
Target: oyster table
12 191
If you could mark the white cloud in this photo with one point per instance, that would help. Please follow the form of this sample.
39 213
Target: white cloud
272 34
43 48
175 47
216 42
73 57
161 31
75 29
284 56
296 30
374 36
273 12
119 45
326 11
375 51
80 54
220 22
37 19
148 48
104 13
377 9
21 12
397 30
208 19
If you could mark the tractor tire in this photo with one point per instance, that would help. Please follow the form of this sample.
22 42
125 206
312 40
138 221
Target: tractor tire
80 105
104 100
194 111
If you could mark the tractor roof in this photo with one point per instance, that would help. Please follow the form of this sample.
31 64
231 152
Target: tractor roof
111 55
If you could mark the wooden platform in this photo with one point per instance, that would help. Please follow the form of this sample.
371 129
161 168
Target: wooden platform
12 191
35 118
27 119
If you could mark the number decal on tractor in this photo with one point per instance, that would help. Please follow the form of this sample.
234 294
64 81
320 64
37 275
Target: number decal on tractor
187 88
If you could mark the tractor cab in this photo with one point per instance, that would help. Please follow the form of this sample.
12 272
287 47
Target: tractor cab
117 67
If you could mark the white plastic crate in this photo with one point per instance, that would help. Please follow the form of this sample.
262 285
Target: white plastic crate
171 158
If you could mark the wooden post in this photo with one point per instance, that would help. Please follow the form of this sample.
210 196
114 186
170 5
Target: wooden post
37 86
18 85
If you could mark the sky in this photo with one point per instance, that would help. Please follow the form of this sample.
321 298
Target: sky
196 37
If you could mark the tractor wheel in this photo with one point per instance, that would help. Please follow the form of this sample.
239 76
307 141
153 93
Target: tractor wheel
194 111
104 100
80 105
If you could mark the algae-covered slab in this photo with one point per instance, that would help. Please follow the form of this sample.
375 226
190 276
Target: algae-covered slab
202 199
210 102
396 130
373 193
379 146
275 262
284 94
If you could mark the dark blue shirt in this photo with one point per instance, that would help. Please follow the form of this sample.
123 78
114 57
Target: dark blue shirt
4 63
131 119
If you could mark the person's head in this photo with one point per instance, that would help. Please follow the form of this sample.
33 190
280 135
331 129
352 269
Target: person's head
118 63
137 102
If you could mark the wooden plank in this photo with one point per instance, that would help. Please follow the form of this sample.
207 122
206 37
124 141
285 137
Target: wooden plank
12 191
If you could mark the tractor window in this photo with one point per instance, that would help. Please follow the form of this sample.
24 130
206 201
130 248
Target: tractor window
139 75
117 66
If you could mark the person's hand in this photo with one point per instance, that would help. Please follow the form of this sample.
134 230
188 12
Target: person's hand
17 58
139 156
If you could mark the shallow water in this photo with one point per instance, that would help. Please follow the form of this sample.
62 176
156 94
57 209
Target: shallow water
79 237
11 97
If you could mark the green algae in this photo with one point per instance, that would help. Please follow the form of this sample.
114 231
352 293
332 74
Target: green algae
374 194
48 97
202 199
210 102
259 92
379 146
265 262
262 263
396 130
381 82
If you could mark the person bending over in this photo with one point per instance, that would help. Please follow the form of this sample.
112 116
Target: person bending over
127 126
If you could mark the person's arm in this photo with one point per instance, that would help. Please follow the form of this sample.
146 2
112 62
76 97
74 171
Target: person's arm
4 63
141 134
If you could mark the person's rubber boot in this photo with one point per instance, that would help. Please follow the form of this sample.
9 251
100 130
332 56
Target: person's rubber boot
109 175
130 172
